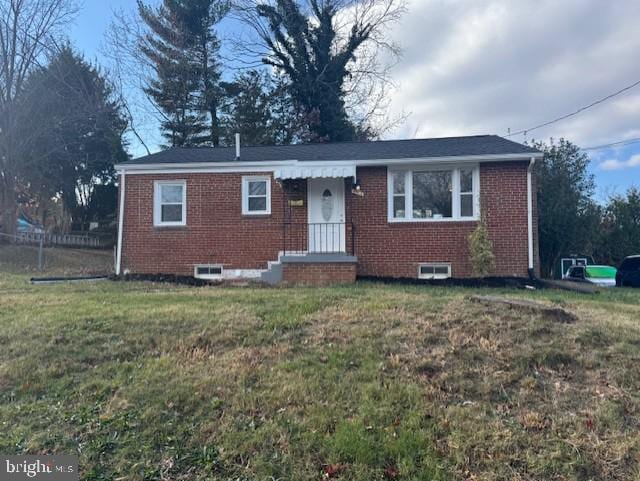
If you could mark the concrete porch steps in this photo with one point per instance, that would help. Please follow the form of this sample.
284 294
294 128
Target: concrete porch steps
310 268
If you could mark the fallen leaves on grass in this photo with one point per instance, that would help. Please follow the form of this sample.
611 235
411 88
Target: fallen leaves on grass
508 384
391 473
533 420
333 470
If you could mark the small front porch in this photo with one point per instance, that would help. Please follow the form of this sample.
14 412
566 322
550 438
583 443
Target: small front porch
318 236
315 254
318 239
319 269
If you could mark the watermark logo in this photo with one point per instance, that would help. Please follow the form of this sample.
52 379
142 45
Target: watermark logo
39 467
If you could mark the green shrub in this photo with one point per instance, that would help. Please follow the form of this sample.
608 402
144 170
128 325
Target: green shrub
483 261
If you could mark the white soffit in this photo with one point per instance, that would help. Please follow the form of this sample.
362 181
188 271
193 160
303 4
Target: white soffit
301 171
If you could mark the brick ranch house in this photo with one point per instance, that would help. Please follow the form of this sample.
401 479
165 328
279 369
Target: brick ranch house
328 212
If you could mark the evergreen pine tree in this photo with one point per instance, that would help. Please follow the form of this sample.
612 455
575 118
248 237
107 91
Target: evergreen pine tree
77 128
259 107
567 213
247 110
200 18
182 46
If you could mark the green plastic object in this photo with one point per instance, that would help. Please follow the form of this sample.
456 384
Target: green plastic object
601 272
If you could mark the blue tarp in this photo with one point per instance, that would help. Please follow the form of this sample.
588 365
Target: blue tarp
25 225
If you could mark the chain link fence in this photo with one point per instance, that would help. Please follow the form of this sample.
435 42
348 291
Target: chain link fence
33 253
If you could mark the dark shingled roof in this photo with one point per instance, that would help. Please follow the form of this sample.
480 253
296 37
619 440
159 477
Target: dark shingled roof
378 150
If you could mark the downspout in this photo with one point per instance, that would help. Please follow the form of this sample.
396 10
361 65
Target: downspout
530 269
120 223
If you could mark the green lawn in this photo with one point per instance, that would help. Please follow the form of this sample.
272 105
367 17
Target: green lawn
365 382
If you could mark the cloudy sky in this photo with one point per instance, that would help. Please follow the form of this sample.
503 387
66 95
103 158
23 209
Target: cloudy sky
486 66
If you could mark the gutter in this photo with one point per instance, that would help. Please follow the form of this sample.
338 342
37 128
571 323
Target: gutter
120 223
265 165
449 159
530 269
201 165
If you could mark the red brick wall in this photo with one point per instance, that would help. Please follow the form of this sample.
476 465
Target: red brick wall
218 233
536 238
320 273
396 249
503 203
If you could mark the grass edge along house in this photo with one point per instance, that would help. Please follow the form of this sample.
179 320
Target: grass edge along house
321 213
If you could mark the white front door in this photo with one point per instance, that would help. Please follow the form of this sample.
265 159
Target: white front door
326 215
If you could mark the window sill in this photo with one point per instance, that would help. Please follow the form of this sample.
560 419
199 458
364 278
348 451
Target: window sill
433 221
170 227
256 215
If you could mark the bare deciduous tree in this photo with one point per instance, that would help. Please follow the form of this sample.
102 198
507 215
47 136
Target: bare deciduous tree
129 72
29 31
329 49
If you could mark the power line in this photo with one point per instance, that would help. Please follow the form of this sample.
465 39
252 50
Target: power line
619 143
581 109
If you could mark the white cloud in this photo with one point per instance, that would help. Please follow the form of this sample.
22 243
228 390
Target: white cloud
617 164
483 66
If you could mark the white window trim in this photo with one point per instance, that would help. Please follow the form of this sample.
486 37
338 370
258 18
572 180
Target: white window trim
457 192
434 276
455 179
245 194
208 276
157 210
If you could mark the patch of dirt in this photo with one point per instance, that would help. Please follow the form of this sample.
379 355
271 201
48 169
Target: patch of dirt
551 312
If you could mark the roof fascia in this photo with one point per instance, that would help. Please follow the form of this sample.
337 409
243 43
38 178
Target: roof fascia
235 166
267 166
451 159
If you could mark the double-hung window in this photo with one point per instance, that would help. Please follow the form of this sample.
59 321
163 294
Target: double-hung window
399 194
434 194
466 193
256 195
170 203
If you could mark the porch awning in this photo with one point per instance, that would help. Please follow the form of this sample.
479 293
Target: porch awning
301 171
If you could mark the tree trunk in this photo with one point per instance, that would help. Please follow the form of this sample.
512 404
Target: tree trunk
9 156
215 124
9 206
45 213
